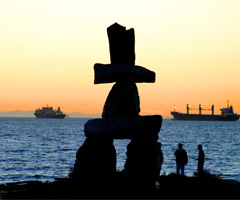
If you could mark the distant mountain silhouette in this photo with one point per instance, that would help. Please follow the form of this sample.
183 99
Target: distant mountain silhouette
81 115
20 113
17 113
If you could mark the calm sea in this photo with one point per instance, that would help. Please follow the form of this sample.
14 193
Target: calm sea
44 149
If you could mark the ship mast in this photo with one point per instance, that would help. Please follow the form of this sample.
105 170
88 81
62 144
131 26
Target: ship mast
188 108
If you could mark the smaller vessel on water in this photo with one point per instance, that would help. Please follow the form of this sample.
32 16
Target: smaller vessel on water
227 114
48 112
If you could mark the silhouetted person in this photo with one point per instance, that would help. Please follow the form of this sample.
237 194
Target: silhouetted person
201 157
159 157
181 159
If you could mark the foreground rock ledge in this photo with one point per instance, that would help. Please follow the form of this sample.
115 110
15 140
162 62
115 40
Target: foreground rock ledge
124 127
171 187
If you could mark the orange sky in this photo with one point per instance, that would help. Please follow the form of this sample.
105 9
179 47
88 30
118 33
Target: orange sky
48 49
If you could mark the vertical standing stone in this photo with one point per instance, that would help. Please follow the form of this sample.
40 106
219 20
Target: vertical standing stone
121 44
95 164
141 165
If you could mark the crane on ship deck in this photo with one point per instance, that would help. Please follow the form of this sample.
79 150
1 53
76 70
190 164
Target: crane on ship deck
200 108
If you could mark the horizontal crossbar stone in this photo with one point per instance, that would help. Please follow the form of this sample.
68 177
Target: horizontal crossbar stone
122 72
146 127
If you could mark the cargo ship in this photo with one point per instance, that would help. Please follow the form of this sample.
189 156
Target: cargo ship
227 114
48 112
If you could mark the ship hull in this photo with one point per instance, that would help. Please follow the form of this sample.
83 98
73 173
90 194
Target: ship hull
50 116
197 117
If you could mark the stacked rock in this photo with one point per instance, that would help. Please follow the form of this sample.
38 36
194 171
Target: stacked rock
96 158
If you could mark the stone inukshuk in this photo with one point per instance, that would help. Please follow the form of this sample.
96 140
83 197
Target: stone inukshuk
96 158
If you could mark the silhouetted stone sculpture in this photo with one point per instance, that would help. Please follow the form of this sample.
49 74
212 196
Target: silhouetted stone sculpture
96 158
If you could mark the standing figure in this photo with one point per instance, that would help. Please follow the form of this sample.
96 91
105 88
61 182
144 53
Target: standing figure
181 159
201 157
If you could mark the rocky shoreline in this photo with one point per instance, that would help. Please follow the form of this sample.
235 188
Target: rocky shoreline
170 186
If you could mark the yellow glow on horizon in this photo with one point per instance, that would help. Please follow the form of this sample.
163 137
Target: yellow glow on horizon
48 49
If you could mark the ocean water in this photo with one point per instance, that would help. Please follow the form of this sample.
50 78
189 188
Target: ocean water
44 149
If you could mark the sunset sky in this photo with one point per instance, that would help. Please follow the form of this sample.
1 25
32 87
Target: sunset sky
48 49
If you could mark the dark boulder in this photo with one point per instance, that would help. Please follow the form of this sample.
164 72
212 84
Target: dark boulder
122 101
